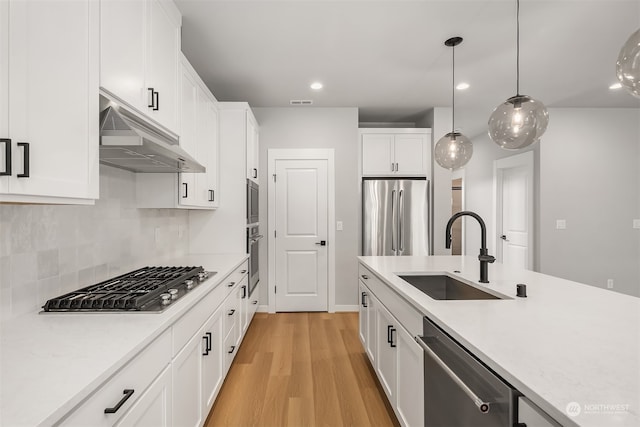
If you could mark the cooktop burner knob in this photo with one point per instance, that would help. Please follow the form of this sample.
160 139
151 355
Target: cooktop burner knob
189 284
203 275
173 293
165 299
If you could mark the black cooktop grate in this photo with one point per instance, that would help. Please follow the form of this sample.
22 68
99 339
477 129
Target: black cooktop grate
130 291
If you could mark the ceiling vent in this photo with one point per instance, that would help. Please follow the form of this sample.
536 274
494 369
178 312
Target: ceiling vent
301 102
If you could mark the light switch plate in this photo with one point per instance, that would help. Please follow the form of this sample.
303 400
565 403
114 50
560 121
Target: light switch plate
561 224
339 225
636 223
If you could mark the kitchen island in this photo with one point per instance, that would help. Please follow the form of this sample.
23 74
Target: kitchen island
51 364
564 344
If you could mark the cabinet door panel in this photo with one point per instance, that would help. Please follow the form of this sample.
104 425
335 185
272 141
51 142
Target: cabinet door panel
122 50
410 380
363 320
162 69
372 336
153 409
409 154
53 97
386 363
187 384
207 135
213 362
377 154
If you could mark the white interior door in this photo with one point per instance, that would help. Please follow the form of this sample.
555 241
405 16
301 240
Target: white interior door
301 224
515 211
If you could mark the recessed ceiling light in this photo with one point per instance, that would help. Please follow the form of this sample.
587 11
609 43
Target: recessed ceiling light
615 86
316 86
462 86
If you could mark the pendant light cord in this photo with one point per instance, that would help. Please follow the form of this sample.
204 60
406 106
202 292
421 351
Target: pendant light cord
517 47
453 89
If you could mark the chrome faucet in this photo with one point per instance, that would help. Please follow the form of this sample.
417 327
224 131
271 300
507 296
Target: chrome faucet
484 256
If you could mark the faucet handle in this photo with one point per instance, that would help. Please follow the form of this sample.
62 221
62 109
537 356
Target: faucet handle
487 258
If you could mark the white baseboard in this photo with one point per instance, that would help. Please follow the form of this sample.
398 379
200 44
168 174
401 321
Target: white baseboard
347 307
263 309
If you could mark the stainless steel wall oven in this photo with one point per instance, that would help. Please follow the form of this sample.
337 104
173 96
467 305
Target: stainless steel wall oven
253 248
252 202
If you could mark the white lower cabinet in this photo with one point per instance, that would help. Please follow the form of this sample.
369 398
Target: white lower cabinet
153 409
409 381
175 380
396 358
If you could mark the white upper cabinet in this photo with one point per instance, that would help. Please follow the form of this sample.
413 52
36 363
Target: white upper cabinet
199 124
49 101
252 148
396 152
140 47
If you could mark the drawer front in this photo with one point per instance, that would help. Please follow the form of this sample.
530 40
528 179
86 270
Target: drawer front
230 348
191 322
406 314
231 312
136 375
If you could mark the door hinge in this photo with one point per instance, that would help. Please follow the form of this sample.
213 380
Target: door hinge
274 177
275 233
275 289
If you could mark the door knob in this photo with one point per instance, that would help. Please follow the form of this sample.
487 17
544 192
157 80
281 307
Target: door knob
503 237
322 243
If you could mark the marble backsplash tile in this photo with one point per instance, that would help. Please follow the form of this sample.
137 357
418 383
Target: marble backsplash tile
46 250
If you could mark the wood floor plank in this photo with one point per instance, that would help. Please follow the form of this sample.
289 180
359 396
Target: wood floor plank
298 370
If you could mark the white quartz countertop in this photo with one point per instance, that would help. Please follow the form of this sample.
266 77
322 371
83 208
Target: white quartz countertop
564 343
50 362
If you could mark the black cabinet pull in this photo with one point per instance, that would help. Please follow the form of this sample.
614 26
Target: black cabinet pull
364 303
389 327
244 291
233 310
7 156
393 344
255 302
233 348
255 173
25 169
151 98
156 101
209 340
207 345
212 195
127 394
243 271
230 285
186 190
365 277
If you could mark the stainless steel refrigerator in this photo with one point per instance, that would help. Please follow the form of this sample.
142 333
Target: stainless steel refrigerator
396 217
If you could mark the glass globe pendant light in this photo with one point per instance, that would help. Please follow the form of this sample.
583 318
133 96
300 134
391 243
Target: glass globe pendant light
520 120
628 64
454 149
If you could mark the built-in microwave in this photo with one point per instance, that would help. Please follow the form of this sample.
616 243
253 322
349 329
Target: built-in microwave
252 202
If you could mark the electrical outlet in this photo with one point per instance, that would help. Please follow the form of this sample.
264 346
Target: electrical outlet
636 223
609 283
339 225
561 224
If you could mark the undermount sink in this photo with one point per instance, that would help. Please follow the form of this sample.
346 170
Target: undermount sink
446 288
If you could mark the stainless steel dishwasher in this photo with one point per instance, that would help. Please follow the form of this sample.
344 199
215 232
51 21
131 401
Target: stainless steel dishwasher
459 391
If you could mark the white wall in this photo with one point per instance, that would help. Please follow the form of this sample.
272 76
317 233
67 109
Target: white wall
47 250
587 167
305 127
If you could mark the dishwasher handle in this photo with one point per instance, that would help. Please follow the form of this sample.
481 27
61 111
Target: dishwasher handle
480 404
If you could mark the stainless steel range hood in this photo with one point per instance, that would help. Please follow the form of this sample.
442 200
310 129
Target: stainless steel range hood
127 142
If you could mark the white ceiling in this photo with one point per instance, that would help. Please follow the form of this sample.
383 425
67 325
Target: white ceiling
388 58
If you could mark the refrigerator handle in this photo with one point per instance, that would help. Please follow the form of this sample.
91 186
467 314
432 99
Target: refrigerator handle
400 222
393 220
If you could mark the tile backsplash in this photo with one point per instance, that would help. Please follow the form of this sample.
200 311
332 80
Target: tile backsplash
47 250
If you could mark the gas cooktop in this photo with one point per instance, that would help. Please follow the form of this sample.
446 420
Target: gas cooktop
148 289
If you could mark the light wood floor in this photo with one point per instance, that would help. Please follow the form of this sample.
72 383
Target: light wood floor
301 369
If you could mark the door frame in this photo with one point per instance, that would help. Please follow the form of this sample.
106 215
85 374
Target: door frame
525 160
274 154
460 174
